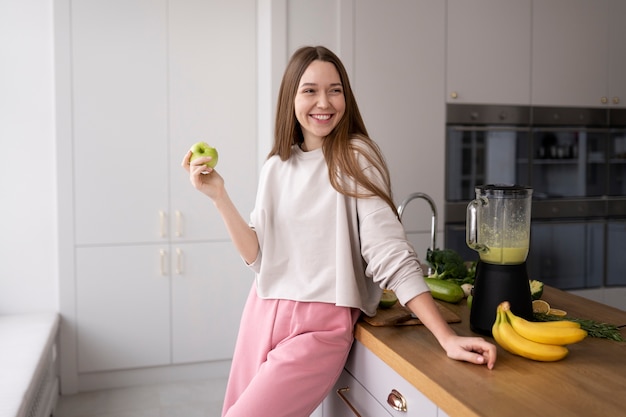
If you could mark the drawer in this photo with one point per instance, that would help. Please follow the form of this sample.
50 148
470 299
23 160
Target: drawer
355 396
379 380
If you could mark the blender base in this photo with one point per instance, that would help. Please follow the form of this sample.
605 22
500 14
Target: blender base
494 284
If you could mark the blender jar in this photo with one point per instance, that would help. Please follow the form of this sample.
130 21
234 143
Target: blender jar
498 223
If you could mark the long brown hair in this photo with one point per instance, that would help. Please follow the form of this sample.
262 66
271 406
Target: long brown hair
340 149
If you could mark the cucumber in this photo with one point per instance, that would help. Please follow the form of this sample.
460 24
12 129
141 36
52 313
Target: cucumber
443 290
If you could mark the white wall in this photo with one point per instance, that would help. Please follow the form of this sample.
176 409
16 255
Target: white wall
28 235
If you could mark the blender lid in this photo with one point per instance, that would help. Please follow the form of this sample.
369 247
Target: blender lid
504 190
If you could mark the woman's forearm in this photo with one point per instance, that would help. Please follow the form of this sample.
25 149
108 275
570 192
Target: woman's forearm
424 307
243 237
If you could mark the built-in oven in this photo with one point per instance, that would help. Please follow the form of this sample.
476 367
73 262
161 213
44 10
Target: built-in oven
575 161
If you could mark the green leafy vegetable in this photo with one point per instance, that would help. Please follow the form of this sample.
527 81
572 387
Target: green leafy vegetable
448 264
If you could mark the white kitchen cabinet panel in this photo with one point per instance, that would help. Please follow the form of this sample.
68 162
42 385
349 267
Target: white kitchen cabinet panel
123 307
370 383
212 98
156 279
399 79
570 52
149 81
154 305
210 284
488 51
119 71
617 53
380 381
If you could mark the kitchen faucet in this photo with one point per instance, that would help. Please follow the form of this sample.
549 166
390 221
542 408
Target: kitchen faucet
433 223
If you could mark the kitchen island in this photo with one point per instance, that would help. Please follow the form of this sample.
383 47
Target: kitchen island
590 381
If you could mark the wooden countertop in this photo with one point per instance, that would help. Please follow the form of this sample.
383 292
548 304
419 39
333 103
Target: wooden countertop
590 381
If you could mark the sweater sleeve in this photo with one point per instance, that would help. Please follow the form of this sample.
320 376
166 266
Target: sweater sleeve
391 260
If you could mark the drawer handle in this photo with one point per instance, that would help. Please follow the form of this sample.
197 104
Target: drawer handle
340 392
179 223
162 224
396 401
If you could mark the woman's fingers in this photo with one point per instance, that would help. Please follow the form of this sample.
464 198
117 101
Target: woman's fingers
186 164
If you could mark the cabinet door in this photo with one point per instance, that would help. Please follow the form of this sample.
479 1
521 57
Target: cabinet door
122 307
119 120
210 284
400 94
567 255
488 51
617 53
212 84
570 52
616 262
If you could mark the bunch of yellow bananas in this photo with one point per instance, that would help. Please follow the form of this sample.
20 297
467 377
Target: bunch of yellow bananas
540 341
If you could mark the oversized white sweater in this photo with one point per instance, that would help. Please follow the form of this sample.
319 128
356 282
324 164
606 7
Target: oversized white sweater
317 244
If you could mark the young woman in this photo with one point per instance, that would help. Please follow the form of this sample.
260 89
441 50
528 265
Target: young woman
324 239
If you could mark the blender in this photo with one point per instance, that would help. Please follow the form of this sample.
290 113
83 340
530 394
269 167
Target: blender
498 228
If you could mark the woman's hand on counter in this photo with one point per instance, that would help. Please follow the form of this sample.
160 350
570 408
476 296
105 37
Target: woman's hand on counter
469 349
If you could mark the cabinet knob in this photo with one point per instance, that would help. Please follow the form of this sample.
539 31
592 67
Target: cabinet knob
454 95
397 401
604 100
615 100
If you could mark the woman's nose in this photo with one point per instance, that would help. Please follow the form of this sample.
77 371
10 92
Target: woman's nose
323 102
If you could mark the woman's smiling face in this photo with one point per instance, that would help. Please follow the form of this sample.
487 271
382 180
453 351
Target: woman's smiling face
319 103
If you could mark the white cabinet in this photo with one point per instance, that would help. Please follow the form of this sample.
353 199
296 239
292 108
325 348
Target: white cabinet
399 90
544 53
367 384
157 280
119 94
151 305
617 53
578 53
488 51
123 308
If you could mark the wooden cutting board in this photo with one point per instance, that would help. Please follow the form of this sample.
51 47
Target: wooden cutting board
401 316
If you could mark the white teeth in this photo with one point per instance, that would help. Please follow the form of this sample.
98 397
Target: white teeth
321 116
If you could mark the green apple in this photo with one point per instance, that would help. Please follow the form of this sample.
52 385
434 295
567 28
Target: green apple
202 149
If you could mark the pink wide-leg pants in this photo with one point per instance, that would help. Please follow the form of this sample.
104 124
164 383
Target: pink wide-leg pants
288 356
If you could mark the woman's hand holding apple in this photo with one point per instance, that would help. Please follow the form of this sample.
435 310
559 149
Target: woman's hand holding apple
202 177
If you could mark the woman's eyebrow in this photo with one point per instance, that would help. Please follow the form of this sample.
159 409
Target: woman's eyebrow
314 84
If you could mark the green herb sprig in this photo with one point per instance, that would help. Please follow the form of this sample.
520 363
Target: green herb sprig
593 328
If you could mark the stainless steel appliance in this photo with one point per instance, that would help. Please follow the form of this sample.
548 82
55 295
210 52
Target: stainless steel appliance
575 161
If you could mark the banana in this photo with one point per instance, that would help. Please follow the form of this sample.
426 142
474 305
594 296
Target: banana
514 343
495 331
562 323
539 332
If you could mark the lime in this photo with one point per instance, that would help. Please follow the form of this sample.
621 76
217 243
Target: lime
387 299
557 312
540 306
